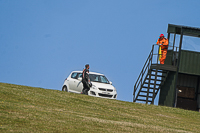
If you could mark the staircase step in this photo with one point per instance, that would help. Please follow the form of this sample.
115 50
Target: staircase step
145 96
149 92
157 75
142 100
149 87
160 71
154 79
150 83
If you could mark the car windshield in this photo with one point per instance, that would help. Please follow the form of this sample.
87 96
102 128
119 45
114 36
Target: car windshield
98 78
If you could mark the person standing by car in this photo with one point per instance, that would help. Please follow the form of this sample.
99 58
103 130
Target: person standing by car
86 80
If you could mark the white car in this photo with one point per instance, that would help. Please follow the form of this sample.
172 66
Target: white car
101 87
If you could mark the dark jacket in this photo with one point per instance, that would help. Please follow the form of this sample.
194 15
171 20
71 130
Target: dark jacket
85 75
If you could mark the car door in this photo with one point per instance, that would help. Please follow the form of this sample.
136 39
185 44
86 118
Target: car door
80 84
73 81
76 85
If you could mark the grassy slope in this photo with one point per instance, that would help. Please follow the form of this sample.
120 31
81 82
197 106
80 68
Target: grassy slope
28 109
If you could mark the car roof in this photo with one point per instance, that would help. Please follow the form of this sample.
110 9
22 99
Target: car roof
89 72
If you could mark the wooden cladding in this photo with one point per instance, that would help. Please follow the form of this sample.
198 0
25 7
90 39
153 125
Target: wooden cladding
186 92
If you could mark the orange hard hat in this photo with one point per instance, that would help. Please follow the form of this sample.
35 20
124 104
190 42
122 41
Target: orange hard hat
161 35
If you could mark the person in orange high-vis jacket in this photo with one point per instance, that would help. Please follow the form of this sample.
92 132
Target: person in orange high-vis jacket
163 42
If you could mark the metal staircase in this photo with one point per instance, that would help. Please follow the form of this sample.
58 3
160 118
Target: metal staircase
151 78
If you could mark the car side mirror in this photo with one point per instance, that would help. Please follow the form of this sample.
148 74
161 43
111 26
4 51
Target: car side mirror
110 82
79 78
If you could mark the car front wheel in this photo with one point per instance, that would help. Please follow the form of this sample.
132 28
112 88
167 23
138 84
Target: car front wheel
65 89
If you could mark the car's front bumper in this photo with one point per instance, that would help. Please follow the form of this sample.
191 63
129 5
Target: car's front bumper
102 94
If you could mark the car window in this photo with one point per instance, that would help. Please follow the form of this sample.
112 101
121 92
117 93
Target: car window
104 79
94 77
79 75
98 78
74 75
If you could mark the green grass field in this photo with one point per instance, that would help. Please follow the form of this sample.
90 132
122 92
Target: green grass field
29 109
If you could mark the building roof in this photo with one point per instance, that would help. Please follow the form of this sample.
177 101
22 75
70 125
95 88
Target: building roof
188 31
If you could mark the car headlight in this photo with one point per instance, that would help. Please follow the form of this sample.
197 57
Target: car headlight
94 87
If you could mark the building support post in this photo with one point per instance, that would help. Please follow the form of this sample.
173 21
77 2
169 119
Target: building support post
177 70
174 52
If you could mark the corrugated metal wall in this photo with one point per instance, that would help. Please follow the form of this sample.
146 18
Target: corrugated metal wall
167 92
187 80
168 60
190 62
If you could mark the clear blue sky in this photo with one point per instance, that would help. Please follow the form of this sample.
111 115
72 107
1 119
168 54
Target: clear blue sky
42 41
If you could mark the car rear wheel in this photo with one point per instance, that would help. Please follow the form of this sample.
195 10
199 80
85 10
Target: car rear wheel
65 89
